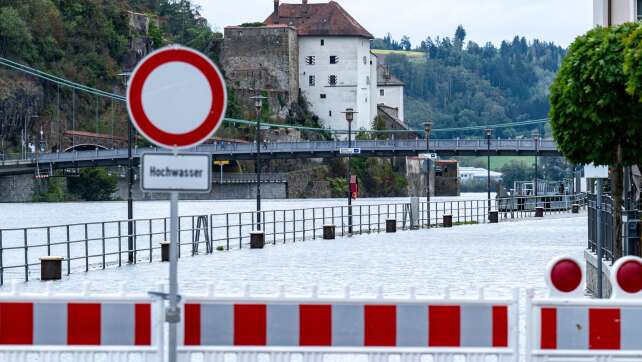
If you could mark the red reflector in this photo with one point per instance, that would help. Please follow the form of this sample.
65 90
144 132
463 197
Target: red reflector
629 277
566 275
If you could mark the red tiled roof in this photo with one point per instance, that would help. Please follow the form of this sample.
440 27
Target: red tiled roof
328 19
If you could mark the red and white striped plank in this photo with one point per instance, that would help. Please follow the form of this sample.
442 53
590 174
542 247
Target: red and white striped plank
590 328
474 325
79 324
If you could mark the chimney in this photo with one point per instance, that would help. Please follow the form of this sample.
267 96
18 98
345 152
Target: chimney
276 11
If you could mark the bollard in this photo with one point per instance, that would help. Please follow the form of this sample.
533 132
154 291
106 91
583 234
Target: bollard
391 225
165 250
329 232
448 221
257 240
539 211
576 208
494 217
51 268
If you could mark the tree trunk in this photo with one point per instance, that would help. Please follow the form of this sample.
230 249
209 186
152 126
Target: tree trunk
618 192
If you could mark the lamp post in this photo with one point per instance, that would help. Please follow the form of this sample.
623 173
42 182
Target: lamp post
536 141
130 179
258 103
349 118
489 133
428 130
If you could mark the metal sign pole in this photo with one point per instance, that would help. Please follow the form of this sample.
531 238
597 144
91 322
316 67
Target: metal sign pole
173 315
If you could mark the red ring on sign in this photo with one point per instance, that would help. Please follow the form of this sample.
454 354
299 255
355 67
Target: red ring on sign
142 121
629 277
566 275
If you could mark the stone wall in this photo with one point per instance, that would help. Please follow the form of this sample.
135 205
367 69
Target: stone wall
263 58
20 188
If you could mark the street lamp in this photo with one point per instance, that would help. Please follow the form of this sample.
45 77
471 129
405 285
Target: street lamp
130 178
536 141
489 133
258 104
349 117
428 130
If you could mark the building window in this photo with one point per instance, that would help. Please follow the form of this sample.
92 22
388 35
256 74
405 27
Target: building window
368 80
365 60
323 96
334 59
332 80
330 113
313 81
639 10
322 42
382 92
310 60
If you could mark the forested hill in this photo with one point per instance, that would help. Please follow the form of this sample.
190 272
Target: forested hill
457 84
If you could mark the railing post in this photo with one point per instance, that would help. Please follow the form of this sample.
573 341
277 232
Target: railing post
102 232
48 241
1 260
600 240
68 253
120 248
241 230
314 224
86 250
26 245
151 245
285 225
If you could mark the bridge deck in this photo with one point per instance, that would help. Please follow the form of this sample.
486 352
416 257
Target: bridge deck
316 149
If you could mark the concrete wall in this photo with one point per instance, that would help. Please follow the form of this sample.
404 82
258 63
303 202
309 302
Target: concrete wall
219 192
592 276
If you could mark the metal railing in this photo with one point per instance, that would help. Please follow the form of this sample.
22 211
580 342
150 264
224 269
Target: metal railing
248 178
99 245
604 231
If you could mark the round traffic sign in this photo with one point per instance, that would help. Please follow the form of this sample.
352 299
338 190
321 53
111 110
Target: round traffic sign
176 97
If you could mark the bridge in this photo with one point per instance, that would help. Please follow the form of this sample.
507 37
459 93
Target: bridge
14 164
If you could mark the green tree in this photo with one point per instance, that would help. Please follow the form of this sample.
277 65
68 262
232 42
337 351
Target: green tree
516 171
593 118
94 184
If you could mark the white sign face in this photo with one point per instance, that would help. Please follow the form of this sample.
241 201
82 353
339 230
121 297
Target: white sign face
427 156
166 172
350 151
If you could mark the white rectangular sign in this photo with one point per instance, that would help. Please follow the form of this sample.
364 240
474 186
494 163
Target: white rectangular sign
166 172
350 151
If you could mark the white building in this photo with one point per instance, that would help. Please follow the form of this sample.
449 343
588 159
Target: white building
614 12
476 174
337 69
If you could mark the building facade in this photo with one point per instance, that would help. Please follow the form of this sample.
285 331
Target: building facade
614 12
315 50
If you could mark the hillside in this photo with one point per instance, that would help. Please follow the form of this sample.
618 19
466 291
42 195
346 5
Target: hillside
461 84
90 42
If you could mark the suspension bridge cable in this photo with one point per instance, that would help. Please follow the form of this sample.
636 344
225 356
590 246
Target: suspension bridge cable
97 92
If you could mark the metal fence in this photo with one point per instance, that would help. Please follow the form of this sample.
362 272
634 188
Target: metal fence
602 229
99 245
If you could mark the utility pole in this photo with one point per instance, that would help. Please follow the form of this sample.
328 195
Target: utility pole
258 103
428 130
130 180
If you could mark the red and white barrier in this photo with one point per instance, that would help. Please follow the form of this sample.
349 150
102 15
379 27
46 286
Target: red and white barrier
80 326
568 326
376 327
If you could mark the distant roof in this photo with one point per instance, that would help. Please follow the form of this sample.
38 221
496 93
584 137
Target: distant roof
386 79
328 19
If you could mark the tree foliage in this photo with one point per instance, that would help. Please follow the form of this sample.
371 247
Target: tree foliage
459 84
94 184
591 112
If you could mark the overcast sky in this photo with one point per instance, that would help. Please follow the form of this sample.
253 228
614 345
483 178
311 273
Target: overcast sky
559 21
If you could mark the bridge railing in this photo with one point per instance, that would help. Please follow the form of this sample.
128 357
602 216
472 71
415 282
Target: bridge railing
100 245
497 145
